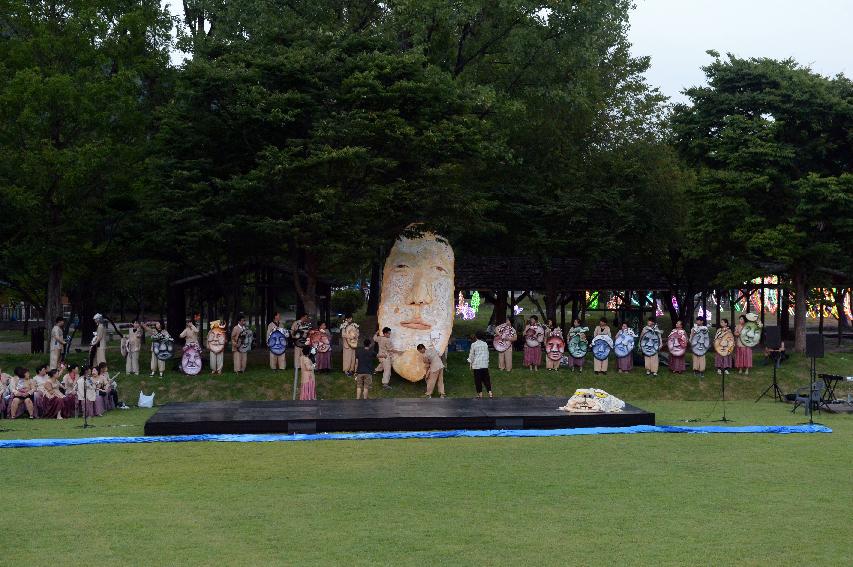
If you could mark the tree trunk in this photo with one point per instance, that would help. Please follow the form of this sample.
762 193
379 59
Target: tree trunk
551 298
53 301
375 287
800 312
308 292
500 307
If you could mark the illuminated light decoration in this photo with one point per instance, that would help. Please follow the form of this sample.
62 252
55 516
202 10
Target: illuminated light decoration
615 302
463 309
659 308
516 310
705 314
592 299
771 294
460 304
475 301
830 310
675 302
635 300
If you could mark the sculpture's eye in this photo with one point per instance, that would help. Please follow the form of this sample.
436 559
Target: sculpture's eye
440 270
401 266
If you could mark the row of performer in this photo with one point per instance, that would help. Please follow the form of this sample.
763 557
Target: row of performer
732 347
58 393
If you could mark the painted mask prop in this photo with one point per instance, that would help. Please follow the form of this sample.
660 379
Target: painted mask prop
191 359
724 342
163 347
277 342
625 342
216 338
534 336
300 333
700 341
245 339
319 340
417 300
505 335
578 345
650 341
124 347
601 347
677 342
555 345
350 333
750 336
589 400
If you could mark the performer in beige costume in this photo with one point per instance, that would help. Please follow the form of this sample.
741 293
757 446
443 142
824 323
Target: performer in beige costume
349 336
435 370
507 331
134 343
277 362
100 339
239 357
190 333
602 329
57 343
216 346
385 355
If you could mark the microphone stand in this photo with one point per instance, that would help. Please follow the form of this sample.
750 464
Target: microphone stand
86 424
724 419
775 355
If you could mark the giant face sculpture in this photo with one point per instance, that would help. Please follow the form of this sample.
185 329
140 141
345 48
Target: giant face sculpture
191 359
417 300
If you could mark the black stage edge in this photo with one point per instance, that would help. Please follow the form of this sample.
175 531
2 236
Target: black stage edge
389 414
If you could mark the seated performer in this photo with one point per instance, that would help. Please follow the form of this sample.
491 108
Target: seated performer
53 400
22 389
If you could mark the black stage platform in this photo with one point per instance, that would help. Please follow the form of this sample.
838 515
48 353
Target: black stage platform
390 414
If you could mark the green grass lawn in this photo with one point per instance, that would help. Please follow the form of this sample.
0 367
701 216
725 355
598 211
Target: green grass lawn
652 499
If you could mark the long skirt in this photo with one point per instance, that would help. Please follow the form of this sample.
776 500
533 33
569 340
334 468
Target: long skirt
743 357
722 362
69 405
676 363
324 361
625 363
89 409
22 408
100 404
532 356
307 390
51 407
575 362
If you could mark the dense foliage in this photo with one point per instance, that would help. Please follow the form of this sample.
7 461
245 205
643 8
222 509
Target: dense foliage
311 133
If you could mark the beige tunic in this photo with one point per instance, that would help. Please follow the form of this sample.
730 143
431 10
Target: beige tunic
190 334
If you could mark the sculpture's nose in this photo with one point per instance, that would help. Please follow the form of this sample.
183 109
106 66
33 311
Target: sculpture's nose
421 292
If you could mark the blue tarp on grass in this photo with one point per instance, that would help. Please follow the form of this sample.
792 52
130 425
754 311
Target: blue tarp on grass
269 438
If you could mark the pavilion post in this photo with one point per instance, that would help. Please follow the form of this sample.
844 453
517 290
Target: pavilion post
761 301
820 315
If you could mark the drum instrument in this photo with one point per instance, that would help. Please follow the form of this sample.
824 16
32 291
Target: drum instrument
300 333
677 342
601 346
700 340
724 342
750 335
624 343
350 333
651 341
534 336
191 359
162 346
505 335
244 340
319 340
277 341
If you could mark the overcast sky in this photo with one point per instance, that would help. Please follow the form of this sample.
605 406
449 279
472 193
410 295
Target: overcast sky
676 34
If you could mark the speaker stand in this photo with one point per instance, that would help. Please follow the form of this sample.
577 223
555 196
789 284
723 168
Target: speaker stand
777 392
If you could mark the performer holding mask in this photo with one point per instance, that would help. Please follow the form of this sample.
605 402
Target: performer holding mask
534 336
624 348
57 343
216 341
277 361
677 345
578 345
700 341
650 343
602 329
161 347
724 346
505 336
237 338
349 339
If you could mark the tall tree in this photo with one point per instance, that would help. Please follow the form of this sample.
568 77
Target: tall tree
77 83
771 142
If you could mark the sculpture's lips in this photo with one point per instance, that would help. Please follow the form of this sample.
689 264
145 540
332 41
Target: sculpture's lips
417 324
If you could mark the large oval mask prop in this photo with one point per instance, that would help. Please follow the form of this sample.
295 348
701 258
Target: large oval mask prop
191 359
277 342
417 300
724 342
601 347
700 342
624 343
650 343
